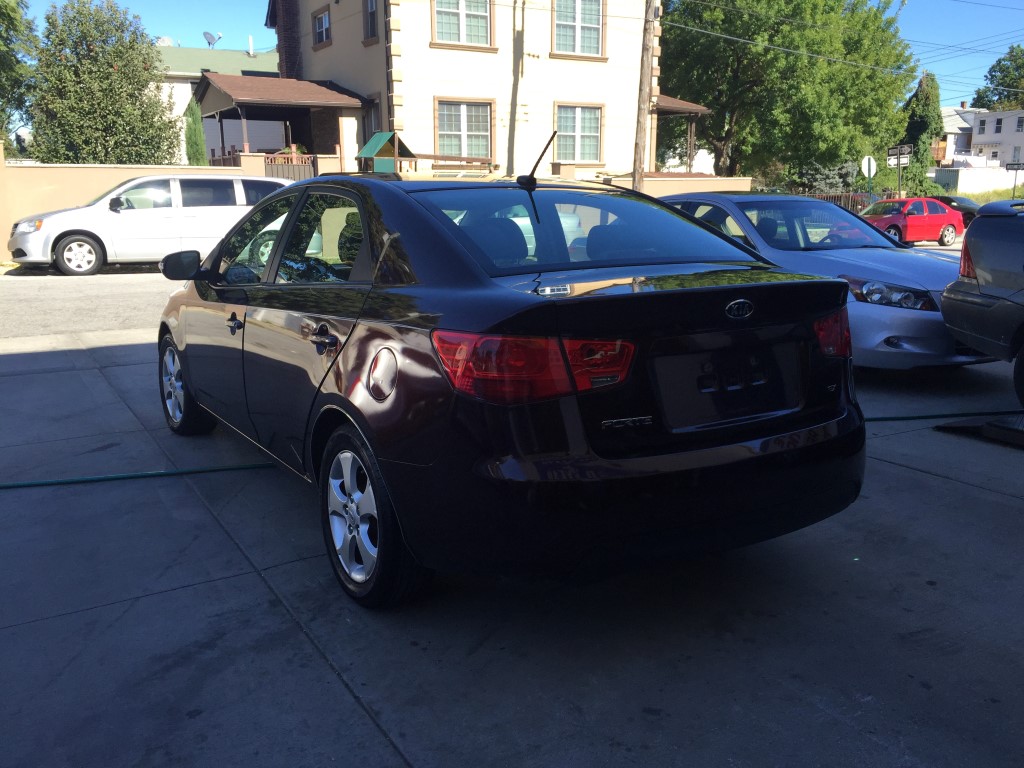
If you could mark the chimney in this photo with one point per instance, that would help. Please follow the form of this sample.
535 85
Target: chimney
963 105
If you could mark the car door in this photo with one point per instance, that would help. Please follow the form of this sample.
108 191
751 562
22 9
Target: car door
209 209
141 225
917 221
298 321
938 218
216 329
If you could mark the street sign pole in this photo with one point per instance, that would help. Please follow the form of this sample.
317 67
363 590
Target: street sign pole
899 152
1014 167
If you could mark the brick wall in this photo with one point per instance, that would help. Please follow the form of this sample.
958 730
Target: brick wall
289 50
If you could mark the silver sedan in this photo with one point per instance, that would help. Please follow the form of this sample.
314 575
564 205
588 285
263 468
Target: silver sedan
895 290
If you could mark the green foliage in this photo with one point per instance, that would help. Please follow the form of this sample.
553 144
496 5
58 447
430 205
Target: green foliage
771 105
1005 83
195 139
98 97
17 41
924 125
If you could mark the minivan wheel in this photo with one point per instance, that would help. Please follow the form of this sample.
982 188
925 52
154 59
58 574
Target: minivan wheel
1018 376
182 412
948 235
893 231
78 255
364 542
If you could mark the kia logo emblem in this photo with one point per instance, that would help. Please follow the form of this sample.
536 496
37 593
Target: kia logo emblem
740 309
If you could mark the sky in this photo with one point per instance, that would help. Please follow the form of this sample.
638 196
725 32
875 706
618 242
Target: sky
957 40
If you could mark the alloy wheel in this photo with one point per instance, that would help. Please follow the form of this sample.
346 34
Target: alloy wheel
353 515
171 385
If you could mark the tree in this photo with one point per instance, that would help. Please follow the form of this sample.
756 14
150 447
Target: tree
17 40
97 96
1005 83
924 125
195 138
769 104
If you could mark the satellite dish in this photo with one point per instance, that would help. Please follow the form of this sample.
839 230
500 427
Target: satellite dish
210 39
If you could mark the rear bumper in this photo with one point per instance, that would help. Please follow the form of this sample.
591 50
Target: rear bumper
988 323
567 512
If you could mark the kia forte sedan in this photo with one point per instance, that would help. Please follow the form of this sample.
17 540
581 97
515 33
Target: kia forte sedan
638 387
895 290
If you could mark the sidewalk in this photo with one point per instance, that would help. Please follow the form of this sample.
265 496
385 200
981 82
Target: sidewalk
191 619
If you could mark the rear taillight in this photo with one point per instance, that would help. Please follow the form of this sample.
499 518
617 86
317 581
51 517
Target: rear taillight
520 369
967 263
833 334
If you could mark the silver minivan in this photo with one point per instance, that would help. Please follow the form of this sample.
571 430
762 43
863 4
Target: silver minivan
140 220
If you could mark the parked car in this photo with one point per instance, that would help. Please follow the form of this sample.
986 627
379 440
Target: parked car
915 219
462 403
894 289
967 208
984 307
138 221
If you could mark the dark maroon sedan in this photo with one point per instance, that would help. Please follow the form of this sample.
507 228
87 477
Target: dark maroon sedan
506 375
916 218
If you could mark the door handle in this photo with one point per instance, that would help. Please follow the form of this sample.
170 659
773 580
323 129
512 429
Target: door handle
323 339
234 324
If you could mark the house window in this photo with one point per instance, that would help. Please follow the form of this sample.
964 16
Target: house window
995 154
463 21
981 126
578 27
321 27
369 20
463 129
579 135
999 125
1020 125
1016 155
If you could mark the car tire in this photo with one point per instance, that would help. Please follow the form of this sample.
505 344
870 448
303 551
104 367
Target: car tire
1018 376
894 231
78 255
261 247
183 414
948 235
364 543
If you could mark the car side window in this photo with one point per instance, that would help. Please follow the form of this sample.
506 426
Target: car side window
324 243
916 208
244 255
203 192
720 219
935 207
148 194
255 190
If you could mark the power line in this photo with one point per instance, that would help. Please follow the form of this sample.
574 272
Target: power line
833 59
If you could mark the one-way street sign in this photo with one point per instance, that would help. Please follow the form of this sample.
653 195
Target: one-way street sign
901 162
900 150
1014 166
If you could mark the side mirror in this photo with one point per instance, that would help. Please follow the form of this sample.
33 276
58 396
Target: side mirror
116 204
912 212
183 265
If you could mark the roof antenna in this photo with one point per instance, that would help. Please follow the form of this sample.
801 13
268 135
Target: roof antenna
210 39
529 182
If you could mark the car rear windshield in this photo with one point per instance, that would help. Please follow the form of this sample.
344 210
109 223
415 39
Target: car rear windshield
513 231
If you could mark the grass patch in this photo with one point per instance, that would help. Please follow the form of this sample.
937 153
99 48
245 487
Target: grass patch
996 194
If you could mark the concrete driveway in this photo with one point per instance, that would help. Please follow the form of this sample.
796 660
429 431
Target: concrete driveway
181 616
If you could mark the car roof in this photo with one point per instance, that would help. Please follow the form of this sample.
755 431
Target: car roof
395 181
756 197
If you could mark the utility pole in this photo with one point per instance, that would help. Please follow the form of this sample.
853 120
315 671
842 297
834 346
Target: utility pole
643 107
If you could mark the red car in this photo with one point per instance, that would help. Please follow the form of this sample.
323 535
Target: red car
916 218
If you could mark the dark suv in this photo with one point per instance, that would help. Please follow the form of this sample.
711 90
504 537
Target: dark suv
985 306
